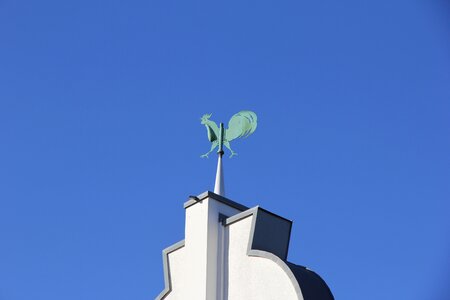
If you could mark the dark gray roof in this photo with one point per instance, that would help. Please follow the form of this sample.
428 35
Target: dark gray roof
312 285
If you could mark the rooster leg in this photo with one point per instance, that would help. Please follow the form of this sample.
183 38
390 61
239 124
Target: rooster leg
227 144
213 146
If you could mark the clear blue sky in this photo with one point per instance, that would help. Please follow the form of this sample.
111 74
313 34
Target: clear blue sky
100 138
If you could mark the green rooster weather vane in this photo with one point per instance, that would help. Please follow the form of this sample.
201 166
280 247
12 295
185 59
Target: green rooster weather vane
241 125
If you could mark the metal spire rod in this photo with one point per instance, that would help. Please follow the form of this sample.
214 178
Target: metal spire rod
221 138
219 186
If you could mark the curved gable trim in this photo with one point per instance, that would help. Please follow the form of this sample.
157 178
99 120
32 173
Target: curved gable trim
261 253
167 278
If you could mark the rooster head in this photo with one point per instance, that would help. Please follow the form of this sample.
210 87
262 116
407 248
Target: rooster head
205 118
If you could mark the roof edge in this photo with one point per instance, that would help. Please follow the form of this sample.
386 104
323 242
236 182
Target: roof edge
209 194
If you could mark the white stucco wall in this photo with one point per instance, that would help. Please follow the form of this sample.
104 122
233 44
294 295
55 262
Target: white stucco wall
177 267
251 277
193 268
214 263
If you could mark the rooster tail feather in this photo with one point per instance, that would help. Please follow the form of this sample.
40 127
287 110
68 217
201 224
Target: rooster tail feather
241 124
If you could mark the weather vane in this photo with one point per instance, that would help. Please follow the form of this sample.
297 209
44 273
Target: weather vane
241 125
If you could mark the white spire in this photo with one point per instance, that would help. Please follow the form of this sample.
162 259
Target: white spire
219 187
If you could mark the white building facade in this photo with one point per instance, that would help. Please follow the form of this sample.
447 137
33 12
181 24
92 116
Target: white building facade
232 252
